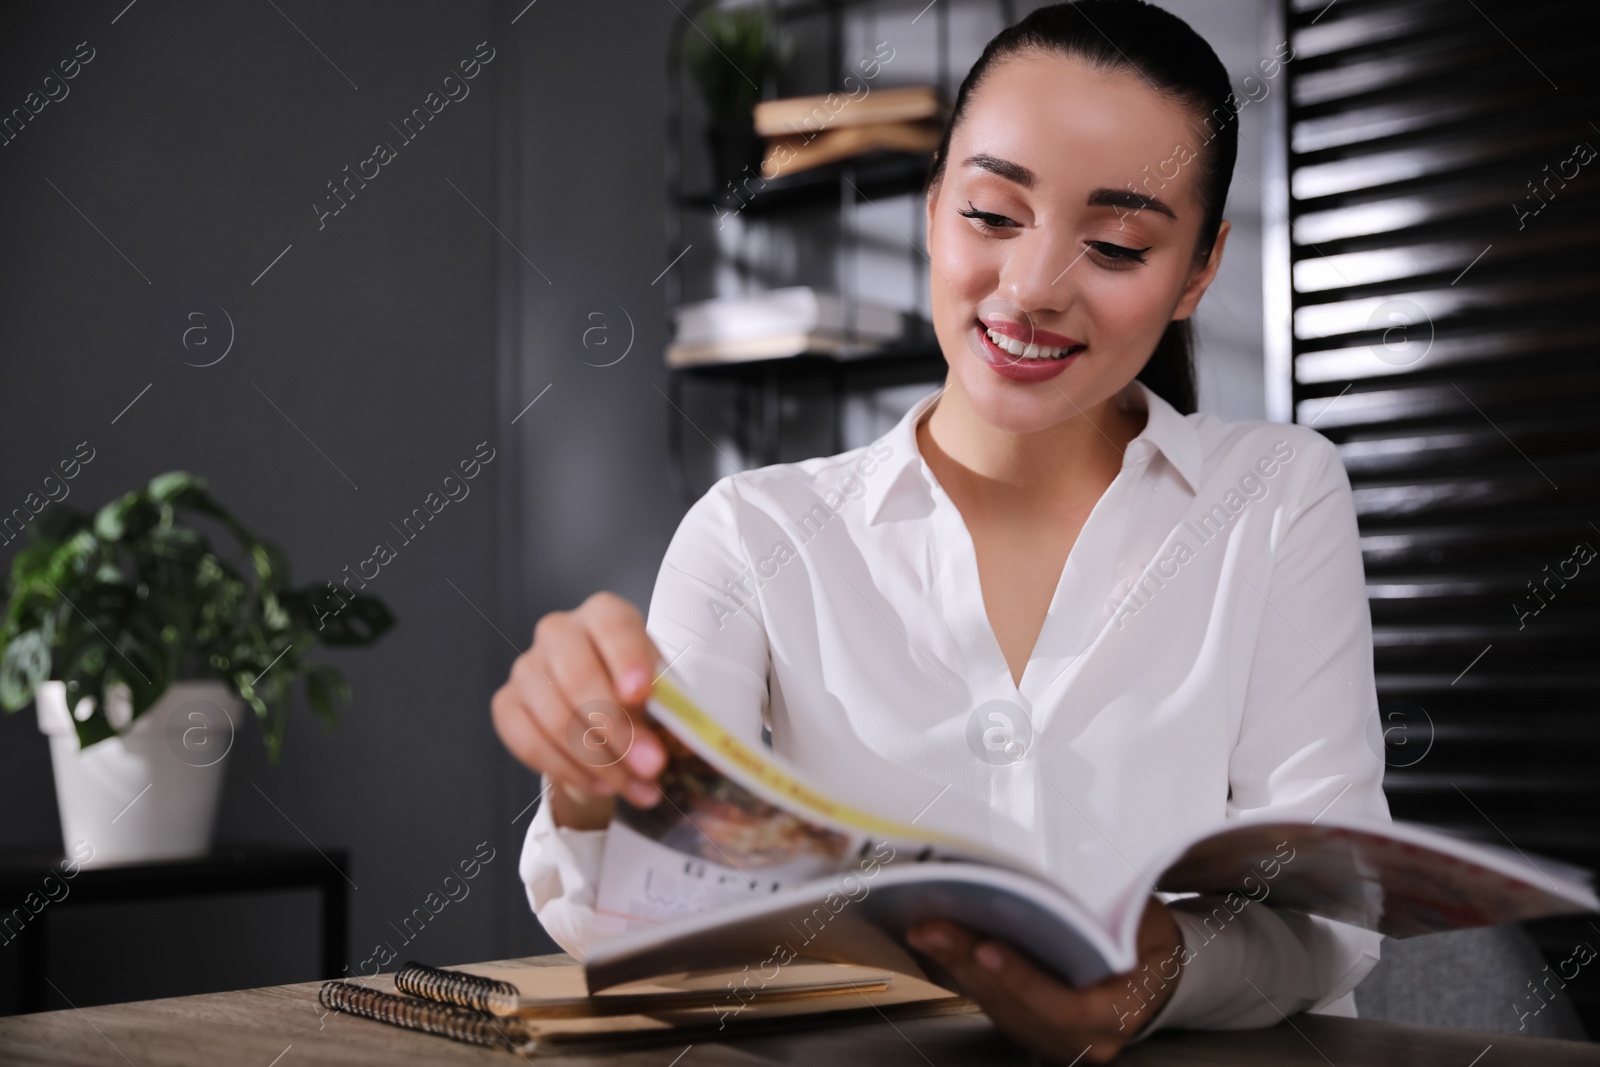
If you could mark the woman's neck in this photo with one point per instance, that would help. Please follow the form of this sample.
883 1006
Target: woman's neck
1043 471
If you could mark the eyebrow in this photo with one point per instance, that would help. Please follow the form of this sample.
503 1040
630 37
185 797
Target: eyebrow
1125 198
1129 199
1013 172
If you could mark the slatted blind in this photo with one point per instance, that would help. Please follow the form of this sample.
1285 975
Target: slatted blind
1443 200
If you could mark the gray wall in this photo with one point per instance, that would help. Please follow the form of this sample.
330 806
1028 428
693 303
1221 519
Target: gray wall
196 142
396 338
595 509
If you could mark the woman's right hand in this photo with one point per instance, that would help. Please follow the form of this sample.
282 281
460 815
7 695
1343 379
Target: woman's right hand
573 710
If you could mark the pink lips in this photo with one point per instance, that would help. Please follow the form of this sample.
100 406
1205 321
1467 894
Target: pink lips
1016 368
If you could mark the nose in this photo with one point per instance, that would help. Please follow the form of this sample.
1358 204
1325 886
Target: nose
1039 275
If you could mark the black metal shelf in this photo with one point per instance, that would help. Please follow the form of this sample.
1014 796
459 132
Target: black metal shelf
873 175
796 198
759 387
876 370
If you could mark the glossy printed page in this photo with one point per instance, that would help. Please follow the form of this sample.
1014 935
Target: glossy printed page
734 824
708 844
1399 879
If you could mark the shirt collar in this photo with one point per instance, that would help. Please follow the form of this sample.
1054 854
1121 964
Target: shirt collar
1166 431
904 460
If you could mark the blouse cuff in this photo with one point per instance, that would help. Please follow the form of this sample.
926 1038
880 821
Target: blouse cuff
1309 964
1200 974
560 867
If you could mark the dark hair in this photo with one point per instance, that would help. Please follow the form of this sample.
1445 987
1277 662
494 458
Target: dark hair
1132 35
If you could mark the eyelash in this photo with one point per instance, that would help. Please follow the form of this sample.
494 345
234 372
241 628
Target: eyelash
1111 256
987 219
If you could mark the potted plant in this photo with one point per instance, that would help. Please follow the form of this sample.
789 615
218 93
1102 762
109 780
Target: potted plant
141 645
727 57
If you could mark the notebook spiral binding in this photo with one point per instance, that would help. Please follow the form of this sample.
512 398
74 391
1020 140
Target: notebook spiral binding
446 1020
456 987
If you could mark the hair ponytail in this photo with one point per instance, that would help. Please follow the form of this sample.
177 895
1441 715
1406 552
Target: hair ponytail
1170 371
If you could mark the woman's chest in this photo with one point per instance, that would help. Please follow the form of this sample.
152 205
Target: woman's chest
1019 566
929 655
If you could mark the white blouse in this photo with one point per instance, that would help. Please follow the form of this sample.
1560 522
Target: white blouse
1207 656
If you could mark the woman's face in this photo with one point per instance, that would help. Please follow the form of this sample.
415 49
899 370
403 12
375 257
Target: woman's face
1066 216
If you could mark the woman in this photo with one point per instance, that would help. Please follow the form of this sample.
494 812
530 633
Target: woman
1162 614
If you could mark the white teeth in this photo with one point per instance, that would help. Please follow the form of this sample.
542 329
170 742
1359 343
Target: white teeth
1024 350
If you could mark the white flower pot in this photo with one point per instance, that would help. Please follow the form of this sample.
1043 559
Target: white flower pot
152 791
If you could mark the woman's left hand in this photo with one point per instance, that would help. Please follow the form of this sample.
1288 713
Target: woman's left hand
1045 1015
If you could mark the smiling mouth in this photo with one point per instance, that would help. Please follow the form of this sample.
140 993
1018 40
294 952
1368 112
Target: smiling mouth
1029 350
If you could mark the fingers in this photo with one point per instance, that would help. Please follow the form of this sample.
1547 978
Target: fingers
563 711
993 966
619 635
520 733
576 799
583 711
1029 1005
631 659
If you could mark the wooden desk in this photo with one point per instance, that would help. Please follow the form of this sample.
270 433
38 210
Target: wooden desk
283 1025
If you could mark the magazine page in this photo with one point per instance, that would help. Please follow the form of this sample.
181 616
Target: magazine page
708 844
1397 878
861 917
736 823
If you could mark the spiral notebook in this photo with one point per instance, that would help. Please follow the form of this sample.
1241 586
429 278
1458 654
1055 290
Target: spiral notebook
527 1007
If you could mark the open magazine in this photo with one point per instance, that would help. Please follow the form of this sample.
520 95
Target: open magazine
744 864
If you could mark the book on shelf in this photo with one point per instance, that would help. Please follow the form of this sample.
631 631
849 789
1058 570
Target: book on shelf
801 152
773 346
781 322
791 309
749 865
807 114
529 1007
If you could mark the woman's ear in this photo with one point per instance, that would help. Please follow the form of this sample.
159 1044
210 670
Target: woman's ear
1201 279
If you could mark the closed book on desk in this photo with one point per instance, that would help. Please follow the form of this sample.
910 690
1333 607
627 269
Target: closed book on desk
545 1009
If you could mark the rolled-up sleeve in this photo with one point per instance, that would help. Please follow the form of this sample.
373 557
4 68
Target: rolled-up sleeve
1262 966
1308 746
705 619
560 868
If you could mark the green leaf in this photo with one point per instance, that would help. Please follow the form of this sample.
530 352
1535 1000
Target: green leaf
24 665
359 622
326 689
95 729
176 542
164 487
727 57
112 520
